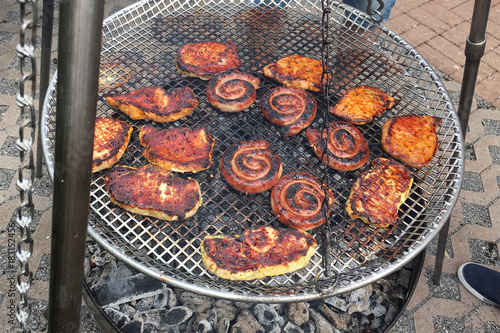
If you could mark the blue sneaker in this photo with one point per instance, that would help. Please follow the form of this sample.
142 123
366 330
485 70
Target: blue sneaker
481 281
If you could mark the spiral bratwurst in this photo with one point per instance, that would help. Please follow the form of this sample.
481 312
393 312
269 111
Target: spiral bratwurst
292 108
251 167
347 148
297 201
232 91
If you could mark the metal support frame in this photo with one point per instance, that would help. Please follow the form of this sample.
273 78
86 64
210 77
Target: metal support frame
474 50
79 48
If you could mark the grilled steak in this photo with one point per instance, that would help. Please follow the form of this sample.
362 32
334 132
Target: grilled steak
232 91
155 103
377 194
347 148
153 191
297 71
251 167
178 149
111 139
291 108
257 253
411 139
361 104
205 59
298 201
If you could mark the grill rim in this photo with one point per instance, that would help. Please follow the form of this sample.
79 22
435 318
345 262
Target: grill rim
384 270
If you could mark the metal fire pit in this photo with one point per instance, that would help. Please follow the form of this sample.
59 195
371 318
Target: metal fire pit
139 47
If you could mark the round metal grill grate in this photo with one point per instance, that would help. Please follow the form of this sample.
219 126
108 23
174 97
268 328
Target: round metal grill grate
139 47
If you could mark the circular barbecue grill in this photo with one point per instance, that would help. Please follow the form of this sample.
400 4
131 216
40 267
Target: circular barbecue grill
139 47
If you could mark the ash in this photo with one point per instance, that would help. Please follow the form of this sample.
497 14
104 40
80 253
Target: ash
134 302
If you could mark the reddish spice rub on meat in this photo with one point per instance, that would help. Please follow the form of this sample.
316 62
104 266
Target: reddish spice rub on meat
153 191
250 166
361 104
111 139
297 71
155 104
347 148
206 59
297 201
377 194
178 149
257 253
291 108
232 91
411 139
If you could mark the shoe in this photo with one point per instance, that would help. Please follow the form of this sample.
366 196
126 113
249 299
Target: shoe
481 281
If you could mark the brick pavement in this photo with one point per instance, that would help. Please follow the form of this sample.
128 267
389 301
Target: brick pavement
438 30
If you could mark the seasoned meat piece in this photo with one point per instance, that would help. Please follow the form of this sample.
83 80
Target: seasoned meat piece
298 201
111 139
155 103
178 149
297 71
361 104
292 108
257 253
205 59
232 91
347 148
251 167
377 194
153 191
411 139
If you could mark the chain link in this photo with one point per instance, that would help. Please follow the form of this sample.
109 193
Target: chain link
327 79
24 100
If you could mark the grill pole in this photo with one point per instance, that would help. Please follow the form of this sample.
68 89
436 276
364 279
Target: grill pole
79 48
474 50
47 28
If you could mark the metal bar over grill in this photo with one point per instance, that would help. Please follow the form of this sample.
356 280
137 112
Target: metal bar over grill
139 47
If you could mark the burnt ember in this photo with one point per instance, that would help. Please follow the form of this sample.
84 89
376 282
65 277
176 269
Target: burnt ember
134 302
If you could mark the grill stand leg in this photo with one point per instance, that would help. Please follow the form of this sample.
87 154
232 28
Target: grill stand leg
79 51
47 29
474 50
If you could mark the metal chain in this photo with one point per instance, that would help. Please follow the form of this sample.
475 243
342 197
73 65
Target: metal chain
24 214
327 79
375 14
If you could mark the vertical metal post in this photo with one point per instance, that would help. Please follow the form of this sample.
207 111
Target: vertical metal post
47 29
80 30
474 50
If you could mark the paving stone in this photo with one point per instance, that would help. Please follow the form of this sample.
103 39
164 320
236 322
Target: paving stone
448 287
6 37
472 182
3 110
491 328
446 324
6 177
491 127
469 152
8 87
476 214
9 147
12 18
431 249
495 154
484 252
43 271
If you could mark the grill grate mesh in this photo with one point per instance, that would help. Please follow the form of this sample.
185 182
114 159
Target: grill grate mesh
139 47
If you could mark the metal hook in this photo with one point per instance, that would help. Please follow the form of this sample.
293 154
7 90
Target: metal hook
320 287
